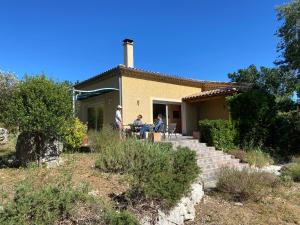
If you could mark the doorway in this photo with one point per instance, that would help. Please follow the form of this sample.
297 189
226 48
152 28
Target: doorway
170 111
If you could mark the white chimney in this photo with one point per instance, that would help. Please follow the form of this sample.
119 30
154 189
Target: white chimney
128 52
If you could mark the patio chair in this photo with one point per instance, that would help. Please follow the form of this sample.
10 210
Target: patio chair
162 130
172 129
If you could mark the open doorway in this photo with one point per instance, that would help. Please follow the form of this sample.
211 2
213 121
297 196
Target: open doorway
171 113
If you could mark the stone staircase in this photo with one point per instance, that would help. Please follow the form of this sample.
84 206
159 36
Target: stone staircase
209 159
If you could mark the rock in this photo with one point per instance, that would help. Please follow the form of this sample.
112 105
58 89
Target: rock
37 147
238 204
3 136
183 211
275 169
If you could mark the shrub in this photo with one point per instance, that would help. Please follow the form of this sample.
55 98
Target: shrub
285 135
164 174
258 158
157 171
245 185
293 171
74 134
218 133
42 205
118 157
120 218
255 157
239 154
100 141
40 104
253 113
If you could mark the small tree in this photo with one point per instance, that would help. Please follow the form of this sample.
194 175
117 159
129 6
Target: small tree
8 87
41 104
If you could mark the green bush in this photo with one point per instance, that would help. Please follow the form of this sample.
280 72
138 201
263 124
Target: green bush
157 171
74 134
164 174
253 113
285 135
40 104
42 205
293 171
245 185
101 141
218 133
120 218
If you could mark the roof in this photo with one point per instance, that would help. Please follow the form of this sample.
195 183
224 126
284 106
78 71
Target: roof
146 74
212 93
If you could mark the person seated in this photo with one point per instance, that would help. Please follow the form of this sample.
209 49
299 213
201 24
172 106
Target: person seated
156 127
137 123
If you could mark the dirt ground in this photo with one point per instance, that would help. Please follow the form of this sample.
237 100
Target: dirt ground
281 208
79 165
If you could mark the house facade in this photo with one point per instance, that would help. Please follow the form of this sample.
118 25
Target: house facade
180 100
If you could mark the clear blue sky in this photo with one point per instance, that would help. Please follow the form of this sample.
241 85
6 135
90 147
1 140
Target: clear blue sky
74 40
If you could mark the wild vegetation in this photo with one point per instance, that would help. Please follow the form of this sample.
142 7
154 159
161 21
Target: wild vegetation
158 172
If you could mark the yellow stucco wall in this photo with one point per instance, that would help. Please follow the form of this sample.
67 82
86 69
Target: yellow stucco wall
138 96
108 101
213 109
110 82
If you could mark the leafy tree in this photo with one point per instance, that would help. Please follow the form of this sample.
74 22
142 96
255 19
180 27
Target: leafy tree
8 86
253 113
275 81
289 34
40 104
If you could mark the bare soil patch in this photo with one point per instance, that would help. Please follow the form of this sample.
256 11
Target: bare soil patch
280 208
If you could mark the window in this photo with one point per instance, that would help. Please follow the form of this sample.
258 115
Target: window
95 118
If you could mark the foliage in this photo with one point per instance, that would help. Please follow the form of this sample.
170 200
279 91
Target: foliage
253 113
245 185
8 87
274 81
40 104
101 141
258 158
289 44
44 205
74 134
120 218
158 172
218 133
293 171
238 154
164 174
255 157
285 135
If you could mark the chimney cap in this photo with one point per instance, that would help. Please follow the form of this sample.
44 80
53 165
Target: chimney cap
127 40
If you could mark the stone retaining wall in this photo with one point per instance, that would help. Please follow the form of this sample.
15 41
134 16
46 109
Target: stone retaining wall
183 211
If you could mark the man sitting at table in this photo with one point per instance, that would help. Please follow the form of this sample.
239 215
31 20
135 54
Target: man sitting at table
138 123
146 128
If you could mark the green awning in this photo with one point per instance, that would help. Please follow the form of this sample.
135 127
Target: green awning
83 94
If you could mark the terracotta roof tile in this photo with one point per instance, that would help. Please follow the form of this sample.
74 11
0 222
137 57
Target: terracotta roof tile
212 93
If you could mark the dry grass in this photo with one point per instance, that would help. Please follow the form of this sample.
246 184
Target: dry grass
280 208
80 165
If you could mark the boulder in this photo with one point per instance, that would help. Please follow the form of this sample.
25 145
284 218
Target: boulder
38 147
3 136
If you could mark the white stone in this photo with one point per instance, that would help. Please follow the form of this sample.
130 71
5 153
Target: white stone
183 211
272 169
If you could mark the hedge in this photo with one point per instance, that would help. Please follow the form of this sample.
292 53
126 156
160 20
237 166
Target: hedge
219 133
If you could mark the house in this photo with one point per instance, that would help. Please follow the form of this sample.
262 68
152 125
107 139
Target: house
180 100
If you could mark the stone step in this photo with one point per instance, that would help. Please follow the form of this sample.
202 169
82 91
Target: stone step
211 159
